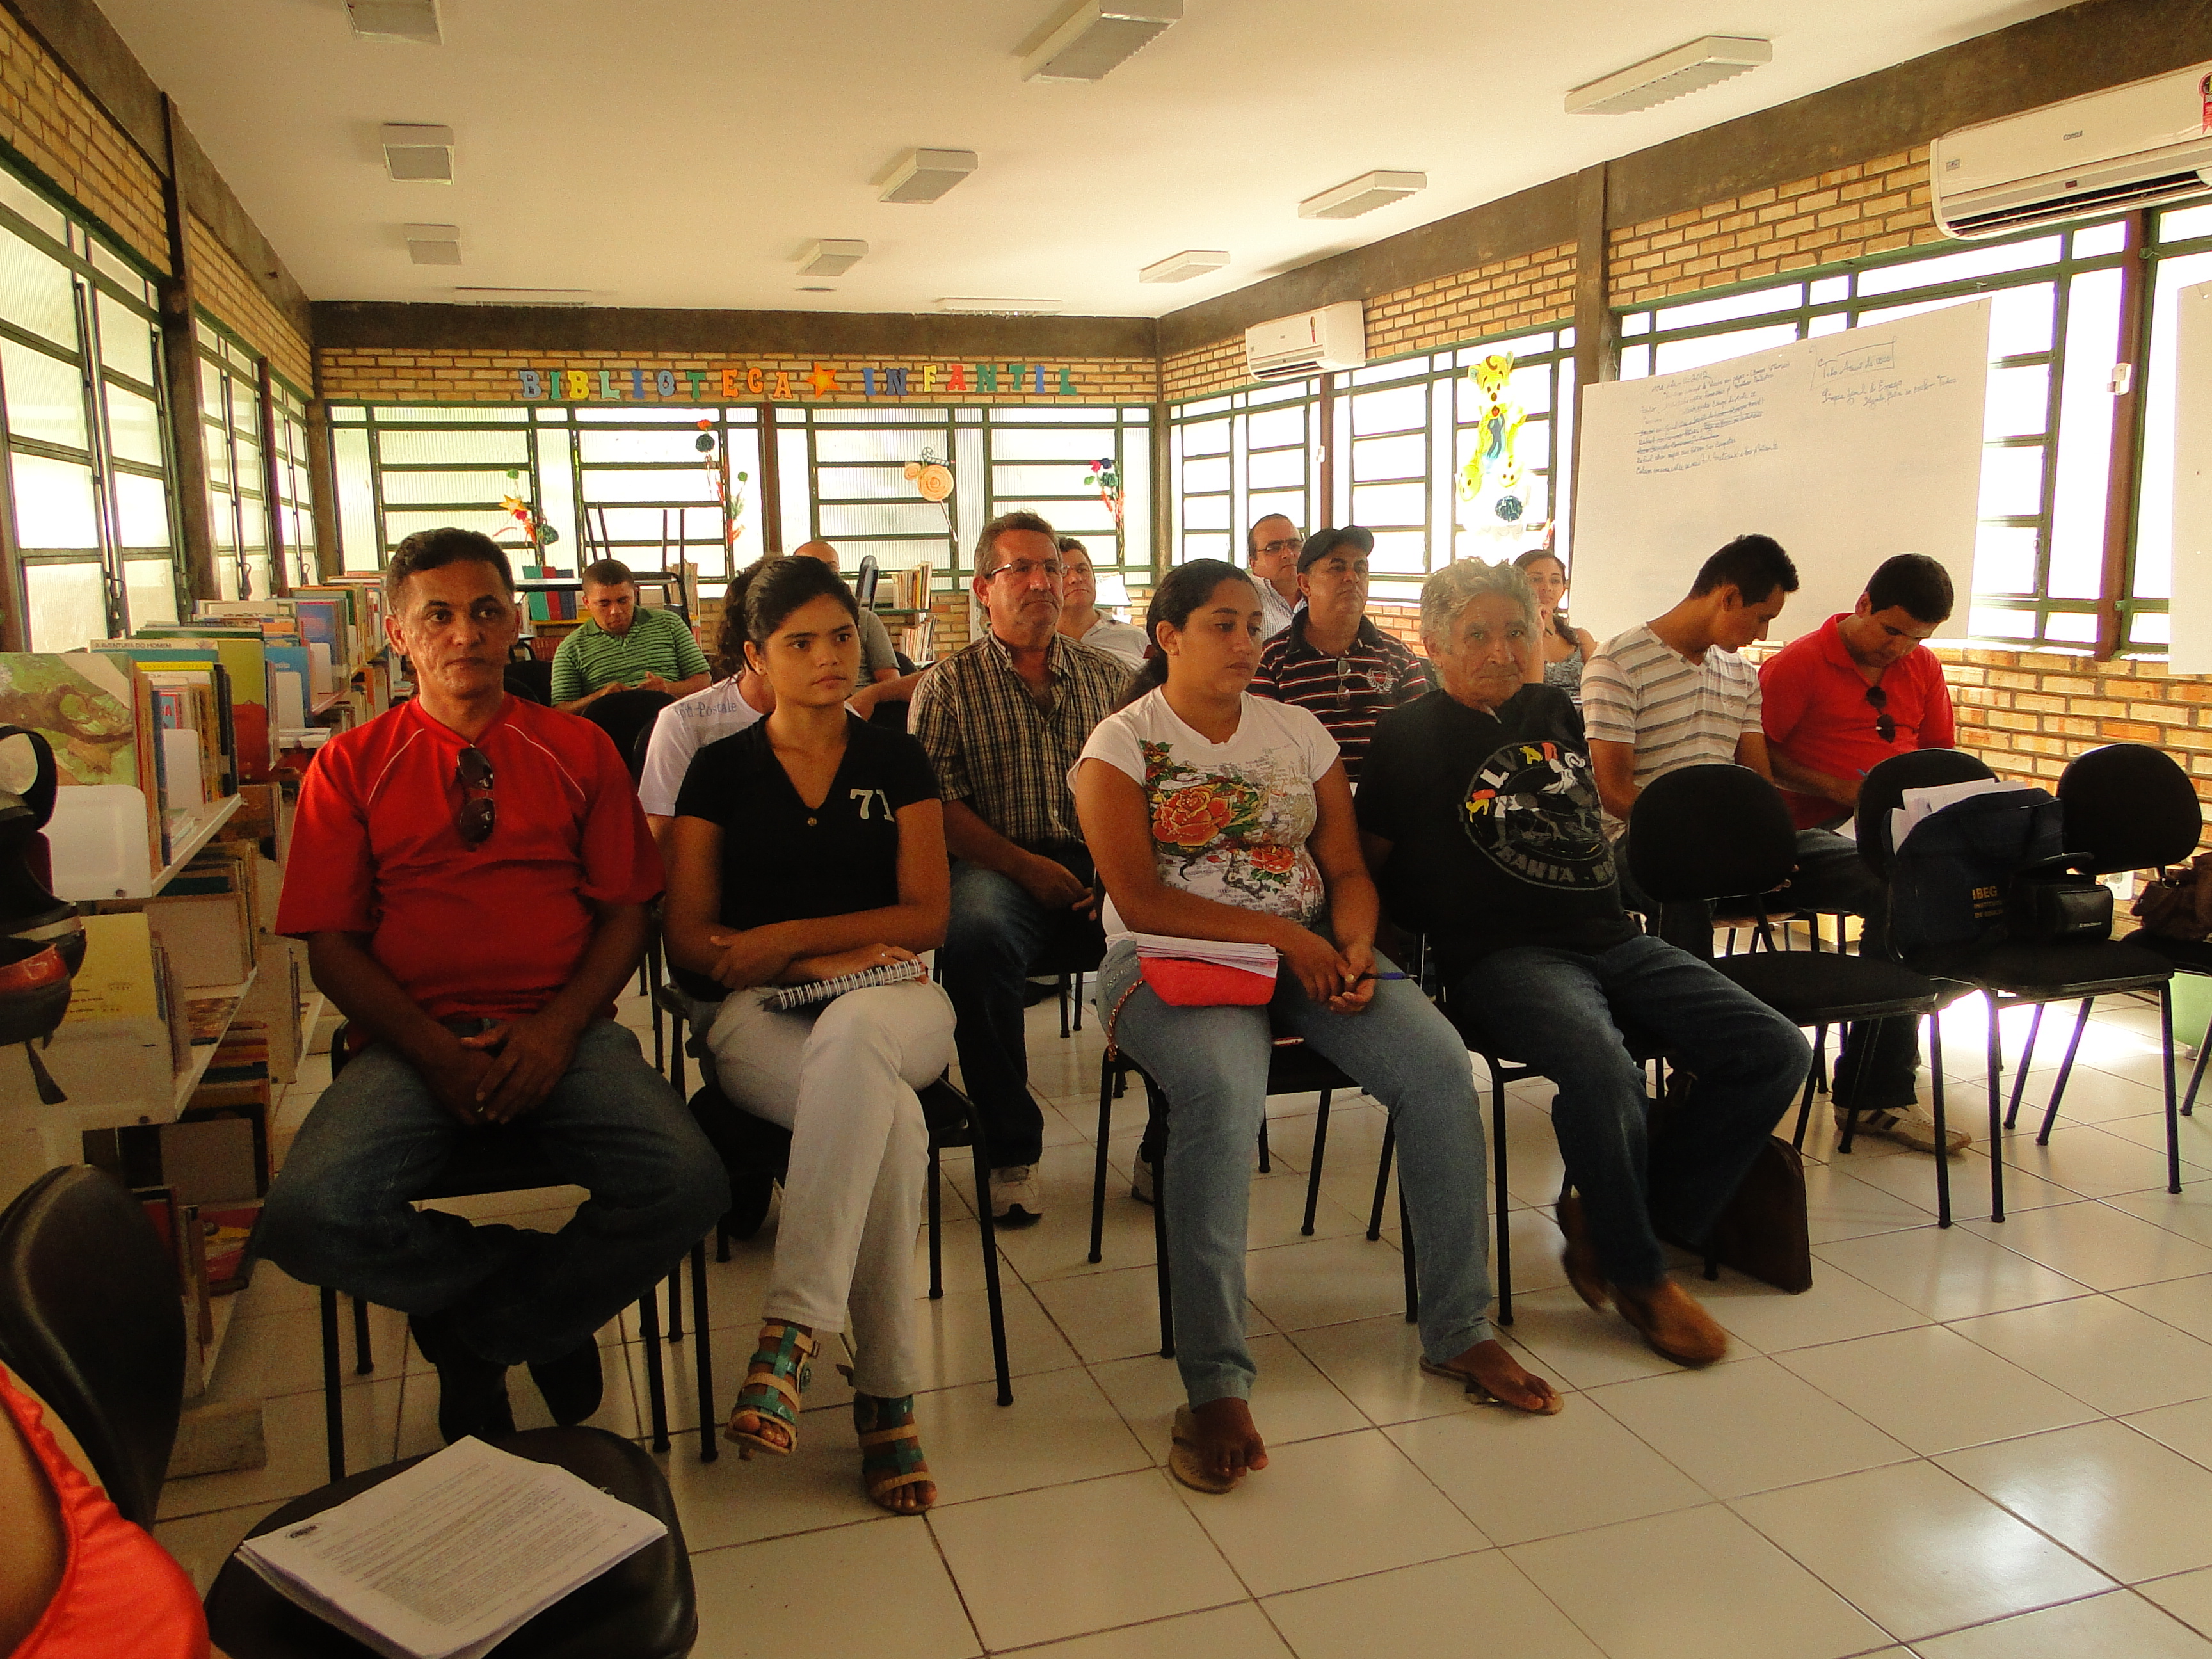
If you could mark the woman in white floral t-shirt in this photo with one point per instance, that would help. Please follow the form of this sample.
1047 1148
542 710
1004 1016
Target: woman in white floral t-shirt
1216 815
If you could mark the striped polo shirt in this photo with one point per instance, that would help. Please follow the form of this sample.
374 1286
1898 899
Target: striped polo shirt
1348 693
1639 689
658 642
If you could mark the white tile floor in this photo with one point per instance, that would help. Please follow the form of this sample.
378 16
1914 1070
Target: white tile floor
1993 1443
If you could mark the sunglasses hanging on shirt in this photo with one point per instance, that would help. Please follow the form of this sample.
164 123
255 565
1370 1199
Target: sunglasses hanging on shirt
473 821
1884 727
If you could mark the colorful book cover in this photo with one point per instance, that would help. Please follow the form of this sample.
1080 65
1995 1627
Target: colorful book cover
82 704
321 624
245 656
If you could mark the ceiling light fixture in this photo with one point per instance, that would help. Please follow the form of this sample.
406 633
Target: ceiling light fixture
395 20
1686 68
419 154
826 257
923 175
1089 39
432 245
1365 194
1181 267
1002 307
525 296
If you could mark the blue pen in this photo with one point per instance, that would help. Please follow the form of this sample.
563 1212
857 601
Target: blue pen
1382 977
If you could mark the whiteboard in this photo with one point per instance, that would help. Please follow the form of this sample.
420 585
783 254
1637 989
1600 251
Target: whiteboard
1846 449
2191 601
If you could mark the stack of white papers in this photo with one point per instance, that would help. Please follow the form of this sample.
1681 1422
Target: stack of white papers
1925 803
1253 958
444 1561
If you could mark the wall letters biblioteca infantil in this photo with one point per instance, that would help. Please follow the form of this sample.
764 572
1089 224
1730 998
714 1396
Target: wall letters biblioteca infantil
781 384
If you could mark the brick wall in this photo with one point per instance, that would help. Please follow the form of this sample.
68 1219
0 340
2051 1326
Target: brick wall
47 118
1869 207
223 286
423 376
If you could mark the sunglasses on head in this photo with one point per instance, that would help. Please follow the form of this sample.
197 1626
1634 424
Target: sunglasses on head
472 773
1884 727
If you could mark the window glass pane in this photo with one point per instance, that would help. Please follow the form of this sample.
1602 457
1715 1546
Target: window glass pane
134 425
53 503
2085 437
2018 403
2099 240
141 510
1396 410
36 292
2012 483
253 526
1756 303
1991 622
1404 457
150 589
357 540
69 608
216 443
46 395
1718 348
2020 319
33 206
1959 267
1389 504
2072 627
126 340
475 488
2004 559
2184 224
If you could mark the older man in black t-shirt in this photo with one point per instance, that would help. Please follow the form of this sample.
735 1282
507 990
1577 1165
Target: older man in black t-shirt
1480 817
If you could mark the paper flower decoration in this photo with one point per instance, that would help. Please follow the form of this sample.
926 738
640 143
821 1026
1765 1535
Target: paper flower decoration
1105 477
933 479
708 443
535 530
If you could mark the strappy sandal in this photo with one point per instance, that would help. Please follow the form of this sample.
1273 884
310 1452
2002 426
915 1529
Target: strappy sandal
1184 1461
781 1366
890 1451
1482 1391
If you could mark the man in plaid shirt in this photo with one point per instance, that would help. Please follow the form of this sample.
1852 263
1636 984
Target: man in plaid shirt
1003 721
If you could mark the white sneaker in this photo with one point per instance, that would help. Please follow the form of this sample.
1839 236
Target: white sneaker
1014 1200
1141 1188
1910 1126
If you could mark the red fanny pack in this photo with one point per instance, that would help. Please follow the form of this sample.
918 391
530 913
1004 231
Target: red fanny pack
1187 983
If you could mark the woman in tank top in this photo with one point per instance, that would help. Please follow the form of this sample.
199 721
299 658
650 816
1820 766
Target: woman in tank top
1562 648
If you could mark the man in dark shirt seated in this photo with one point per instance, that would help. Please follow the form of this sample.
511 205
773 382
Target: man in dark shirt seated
1479 816
471 872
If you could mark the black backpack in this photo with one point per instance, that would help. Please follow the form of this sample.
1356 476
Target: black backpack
1952 882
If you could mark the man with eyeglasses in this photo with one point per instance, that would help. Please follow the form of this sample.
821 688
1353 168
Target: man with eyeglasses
1331 660
1271 546
1003 721
471 872
1834 704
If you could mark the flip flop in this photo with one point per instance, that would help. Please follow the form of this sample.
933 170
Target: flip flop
1481 1390
1183 1462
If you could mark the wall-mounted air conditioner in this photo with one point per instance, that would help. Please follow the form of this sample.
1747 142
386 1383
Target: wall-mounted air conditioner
1290 348
2127 147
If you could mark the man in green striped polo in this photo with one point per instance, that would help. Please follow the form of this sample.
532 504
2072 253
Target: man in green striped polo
624 646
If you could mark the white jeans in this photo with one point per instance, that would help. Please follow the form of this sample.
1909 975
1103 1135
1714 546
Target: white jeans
841 1078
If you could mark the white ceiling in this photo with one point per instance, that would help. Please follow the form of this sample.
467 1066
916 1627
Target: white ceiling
679 152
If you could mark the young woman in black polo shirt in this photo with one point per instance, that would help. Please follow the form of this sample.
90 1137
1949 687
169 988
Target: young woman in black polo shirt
805 847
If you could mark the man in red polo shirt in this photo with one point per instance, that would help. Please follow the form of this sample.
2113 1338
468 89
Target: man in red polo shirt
471 872
1835 703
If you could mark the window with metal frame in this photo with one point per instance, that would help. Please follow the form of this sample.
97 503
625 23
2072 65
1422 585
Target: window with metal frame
1240 457
2180 251
87 503
238 488
2054 339
293 508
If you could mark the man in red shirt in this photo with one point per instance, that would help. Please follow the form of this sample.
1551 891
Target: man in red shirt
471 872
1835 703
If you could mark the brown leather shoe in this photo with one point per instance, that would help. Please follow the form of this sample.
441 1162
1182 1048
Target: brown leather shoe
1669 1319
1580 1257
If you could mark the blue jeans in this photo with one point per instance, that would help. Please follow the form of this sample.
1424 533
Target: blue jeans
1563 1013
1211 1065
342 1214
995 932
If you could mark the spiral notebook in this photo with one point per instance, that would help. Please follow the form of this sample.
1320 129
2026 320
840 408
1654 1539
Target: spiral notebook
785 998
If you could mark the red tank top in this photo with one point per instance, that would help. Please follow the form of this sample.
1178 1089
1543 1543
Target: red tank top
122 1596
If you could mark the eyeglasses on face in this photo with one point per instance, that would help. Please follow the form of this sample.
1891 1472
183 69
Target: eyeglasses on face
1022 570
472 774
1288 544
1884 727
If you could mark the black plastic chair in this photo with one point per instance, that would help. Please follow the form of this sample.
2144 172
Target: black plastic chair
2010 974
90 1317
2124 802
1701 831
495 1166
1069 959
757 1151
530 679
623 714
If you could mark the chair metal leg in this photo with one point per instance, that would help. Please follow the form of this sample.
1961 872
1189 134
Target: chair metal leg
333 1408
1267 1162
1805 1105
1996 1062
1942 1137
702 1359
992 1299
2197 1074
1313 1172
2026 1058
363 1361
1160 1251
656 1384
1063 1006
1497 1176
653 997
2058 1084
1406 1250
1381 1181
1107 1074
2172 1120
1078 1002
675 1304
937 1221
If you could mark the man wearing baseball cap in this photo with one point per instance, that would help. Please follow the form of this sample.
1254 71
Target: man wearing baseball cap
1331 660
